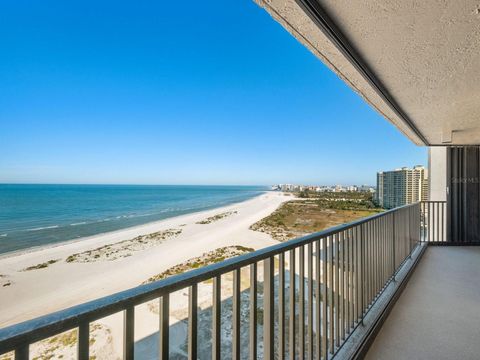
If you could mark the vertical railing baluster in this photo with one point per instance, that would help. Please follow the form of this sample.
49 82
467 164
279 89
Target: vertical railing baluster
362 270
310 300
236 336
292 301
380 255
367 265
253 312
216 318
22 352
325 297
434 238
346 279
374 258
431 236
331 296
377 256
422 212
385 253
268 314
388 254
371 261
192 321
351 279
83 344
419 225
357 246
337 292
388 249
394 245
164 327
432 221
355 274
128 333
339 288
342 285
425 220
281 306
444 232
301 304
318 302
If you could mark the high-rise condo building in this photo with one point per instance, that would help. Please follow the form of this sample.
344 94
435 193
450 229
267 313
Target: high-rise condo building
402 186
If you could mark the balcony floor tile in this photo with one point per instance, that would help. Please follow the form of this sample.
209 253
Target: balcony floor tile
438 313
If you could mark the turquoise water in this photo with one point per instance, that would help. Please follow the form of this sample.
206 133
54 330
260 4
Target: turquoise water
36 215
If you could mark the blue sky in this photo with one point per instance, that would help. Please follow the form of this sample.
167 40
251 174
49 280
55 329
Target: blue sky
154 92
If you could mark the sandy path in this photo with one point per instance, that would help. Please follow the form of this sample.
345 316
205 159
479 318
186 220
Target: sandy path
61 285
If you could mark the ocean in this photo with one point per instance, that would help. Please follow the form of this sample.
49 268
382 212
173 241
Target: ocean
38 215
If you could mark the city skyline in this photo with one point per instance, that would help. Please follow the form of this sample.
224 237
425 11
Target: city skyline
105 103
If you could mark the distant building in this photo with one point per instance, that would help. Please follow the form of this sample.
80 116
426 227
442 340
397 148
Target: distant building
402 186
366 188
323 188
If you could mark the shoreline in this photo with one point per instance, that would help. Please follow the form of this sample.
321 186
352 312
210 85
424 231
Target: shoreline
134 227
35 290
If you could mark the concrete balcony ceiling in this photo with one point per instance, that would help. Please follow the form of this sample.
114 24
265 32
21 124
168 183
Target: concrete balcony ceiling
416 62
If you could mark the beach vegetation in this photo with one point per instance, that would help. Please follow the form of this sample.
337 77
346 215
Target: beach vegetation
64 345
312 212
217 217
125 248
211 257
41 265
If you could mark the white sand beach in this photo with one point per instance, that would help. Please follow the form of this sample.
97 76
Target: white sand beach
109 263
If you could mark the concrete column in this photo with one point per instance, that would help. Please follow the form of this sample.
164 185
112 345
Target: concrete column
437 173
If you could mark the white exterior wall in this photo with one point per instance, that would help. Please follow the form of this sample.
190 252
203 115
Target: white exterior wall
437 166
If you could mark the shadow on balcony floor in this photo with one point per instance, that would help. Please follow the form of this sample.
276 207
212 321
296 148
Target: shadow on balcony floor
438 314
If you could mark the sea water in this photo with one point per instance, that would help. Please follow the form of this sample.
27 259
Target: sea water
38 215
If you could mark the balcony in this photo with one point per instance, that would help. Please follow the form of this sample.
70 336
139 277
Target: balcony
340 285
436 317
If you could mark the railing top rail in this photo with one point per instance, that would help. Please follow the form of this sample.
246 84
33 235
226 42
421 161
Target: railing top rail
45 326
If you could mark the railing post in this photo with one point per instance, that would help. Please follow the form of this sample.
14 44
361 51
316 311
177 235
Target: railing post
281 306
409 221
268 313
253 312
83 342
216 318
292 302
128 333
236 315
164 327
362 271
22 353
301 305
393 246
192 321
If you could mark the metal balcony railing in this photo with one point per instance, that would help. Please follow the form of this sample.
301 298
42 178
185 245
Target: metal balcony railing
315 289
433 221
